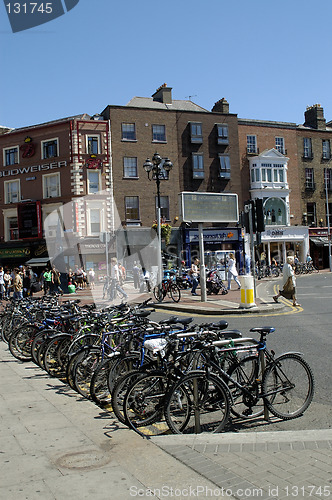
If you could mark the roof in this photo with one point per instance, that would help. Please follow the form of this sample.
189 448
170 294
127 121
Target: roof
83 116
177 105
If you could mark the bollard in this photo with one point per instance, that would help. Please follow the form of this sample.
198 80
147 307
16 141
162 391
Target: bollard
247 291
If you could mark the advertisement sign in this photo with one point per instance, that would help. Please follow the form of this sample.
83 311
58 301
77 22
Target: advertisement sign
209 207
29 220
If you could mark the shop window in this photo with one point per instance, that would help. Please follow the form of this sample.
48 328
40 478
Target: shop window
275 212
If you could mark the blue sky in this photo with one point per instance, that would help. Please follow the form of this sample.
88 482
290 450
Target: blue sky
268 59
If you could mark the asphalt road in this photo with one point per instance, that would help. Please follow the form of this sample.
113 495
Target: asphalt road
307 330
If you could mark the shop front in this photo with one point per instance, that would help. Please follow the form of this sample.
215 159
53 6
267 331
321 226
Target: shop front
280 241
319 247
218 243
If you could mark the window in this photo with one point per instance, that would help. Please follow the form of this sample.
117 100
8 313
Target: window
222 131
10 156
257 170
198 166
280 145
128 131
158 133
93 178
132 208
196 132
326 149
93 144
51 185
328 179
309 179
50 148
130 167
311 214
94 220
12 191
13 233
164 207
251 144
225 167
266 172
307 148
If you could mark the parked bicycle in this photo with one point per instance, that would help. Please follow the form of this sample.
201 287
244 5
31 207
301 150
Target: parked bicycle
169 288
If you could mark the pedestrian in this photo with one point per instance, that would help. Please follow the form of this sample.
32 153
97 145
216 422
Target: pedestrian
2 283
26 282
232 272
136 275
115 283
288 282
123 273
47 275
92 278
56 288
194 274
17 285
8 282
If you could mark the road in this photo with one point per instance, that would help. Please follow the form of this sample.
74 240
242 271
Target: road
307 330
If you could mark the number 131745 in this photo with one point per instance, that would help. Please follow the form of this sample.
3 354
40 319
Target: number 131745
29 8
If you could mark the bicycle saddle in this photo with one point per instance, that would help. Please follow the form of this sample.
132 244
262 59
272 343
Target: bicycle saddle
263 329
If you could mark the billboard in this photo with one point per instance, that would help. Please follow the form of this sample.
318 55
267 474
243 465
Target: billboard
209 207
29 220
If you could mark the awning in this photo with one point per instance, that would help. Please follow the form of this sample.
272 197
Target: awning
42 261
320 241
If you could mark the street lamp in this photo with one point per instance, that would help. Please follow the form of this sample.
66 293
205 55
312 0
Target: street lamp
156 166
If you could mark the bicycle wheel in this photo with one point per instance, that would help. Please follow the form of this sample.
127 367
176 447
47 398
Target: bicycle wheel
199 402
288 386
86 363
20 342
99 390
119 392
245 373
55 355
175 292
144 404
158 293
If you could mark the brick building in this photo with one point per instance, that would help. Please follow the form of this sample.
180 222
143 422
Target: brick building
202 145
43 168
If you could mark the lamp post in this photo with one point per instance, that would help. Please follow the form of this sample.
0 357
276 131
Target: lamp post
155 167
328 220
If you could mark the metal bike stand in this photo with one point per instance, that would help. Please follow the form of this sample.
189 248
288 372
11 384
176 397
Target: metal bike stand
262 361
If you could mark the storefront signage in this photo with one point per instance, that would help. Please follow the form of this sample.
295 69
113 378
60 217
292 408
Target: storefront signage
28 148
13 253
33 168
213 235
317 232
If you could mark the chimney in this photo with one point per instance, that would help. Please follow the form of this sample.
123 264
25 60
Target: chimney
314 117
221 106
163 94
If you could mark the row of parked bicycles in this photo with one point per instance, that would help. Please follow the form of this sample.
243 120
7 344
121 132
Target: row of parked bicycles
171 376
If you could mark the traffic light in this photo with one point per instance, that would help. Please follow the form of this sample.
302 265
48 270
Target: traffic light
257 214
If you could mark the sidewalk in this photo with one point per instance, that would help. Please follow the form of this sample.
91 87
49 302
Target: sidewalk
215 304
56 445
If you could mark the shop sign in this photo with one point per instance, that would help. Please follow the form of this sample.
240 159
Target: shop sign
13 253
209 207
33 168
317 232
29 220
211 236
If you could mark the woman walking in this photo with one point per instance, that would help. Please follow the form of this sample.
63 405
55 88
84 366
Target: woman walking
288 282
194 276
232 271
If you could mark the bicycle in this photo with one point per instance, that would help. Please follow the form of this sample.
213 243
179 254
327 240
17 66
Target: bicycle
167 287
284 384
